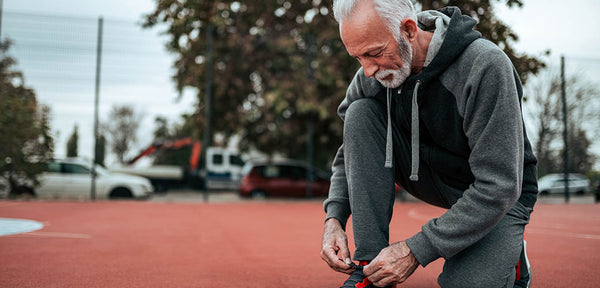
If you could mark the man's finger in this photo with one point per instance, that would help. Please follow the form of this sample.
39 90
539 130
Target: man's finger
372 267
345 254
329 255
340 265
346 271
376 276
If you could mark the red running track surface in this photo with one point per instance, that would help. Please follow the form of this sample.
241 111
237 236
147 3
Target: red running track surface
255 244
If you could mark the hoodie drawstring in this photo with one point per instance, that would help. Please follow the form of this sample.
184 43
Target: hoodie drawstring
414 135
389 150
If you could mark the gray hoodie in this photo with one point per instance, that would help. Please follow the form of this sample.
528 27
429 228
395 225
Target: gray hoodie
463 111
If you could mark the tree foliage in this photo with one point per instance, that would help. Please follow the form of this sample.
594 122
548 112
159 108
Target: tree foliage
26 142
279 65
122 130
72 143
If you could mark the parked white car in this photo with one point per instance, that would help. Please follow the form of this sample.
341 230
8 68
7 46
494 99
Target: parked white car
555 183
72 178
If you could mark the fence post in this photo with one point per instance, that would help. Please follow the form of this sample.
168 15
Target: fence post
96 100
207 106
565 131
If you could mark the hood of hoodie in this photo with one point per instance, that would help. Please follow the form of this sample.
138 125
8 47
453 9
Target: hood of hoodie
453 32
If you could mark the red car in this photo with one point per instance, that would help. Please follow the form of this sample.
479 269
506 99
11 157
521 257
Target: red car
289 178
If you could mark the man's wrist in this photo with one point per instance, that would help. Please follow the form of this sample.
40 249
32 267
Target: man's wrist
411 255
334 222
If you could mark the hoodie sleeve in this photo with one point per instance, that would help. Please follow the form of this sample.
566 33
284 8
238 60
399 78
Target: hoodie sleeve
490 104
337 204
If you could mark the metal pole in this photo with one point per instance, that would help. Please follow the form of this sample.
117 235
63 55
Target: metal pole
207 106
1 43
1 6
565 130
96 100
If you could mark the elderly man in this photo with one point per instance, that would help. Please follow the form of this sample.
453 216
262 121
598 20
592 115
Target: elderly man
436 109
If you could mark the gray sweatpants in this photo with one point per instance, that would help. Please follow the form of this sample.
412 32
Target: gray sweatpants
490 262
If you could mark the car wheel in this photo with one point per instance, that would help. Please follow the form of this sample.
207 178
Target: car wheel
580 192
120 192
545 192
258 194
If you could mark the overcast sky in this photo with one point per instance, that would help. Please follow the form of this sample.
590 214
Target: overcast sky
566 28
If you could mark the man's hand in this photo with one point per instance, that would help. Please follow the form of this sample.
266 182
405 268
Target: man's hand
393 265
334 249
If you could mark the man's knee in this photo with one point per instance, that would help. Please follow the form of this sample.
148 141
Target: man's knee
364 114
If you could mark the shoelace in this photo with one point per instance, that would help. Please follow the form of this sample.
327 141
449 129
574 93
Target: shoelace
356 267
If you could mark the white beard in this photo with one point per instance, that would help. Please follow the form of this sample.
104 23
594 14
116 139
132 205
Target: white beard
398 76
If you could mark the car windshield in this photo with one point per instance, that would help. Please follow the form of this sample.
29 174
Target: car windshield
101 170
247 168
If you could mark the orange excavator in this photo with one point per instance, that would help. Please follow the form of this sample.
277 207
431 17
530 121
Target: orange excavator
164 177
173 145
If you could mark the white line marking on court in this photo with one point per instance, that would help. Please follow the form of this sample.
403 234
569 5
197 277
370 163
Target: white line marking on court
542 231
588 228
57 235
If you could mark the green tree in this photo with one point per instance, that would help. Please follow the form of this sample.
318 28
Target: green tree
279 65
26 142
72 143
122 129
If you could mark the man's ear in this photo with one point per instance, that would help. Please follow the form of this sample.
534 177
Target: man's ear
408 29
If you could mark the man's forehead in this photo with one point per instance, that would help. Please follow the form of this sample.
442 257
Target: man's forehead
363 19
361 30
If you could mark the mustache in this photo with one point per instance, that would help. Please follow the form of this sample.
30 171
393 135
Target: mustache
380 75
398 77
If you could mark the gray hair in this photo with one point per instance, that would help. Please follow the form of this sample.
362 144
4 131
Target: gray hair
392 12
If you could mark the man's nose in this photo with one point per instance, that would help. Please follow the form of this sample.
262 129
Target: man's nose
369 67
